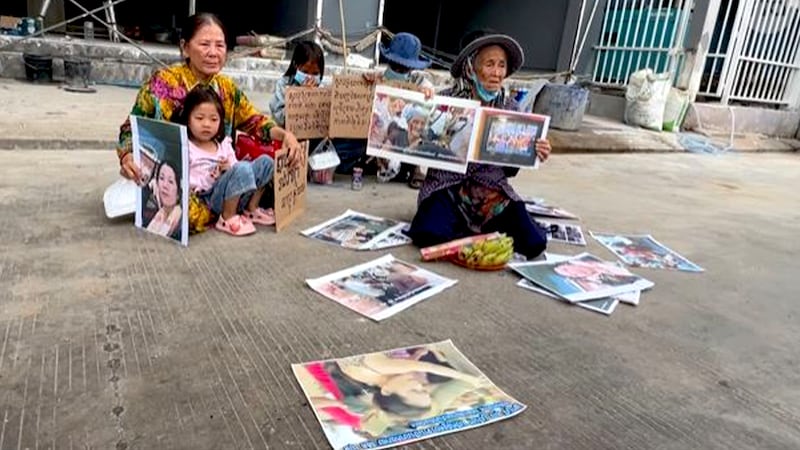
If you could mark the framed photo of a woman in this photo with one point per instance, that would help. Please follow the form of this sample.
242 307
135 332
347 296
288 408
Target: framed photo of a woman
162 204
508 138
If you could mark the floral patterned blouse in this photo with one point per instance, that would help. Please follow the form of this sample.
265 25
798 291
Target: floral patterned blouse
163 94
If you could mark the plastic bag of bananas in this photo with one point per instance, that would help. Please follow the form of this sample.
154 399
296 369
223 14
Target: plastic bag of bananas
489 254
199 215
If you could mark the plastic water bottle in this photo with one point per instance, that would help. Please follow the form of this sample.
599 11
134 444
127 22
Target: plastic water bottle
88 30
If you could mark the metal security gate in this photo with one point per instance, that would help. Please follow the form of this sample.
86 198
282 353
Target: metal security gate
638 34
753 54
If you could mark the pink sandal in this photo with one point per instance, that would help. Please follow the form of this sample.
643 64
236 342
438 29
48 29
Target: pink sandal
261 216
236 226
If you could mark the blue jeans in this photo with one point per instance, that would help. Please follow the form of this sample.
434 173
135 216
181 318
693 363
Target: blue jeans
241 180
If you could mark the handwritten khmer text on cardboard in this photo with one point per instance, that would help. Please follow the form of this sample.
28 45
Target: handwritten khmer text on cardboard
290 184
308 111
351 106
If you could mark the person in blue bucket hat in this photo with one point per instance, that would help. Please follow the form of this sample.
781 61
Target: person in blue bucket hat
406 63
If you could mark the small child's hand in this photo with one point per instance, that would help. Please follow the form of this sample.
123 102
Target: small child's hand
224 164
310 82
215 172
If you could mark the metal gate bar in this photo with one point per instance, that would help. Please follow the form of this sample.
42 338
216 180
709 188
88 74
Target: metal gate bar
639 34
758 52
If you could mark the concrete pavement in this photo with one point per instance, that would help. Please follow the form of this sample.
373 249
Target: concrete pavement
113 338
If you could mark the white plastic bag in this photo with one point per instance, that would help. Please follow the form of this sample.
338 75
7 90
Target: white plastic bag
646 98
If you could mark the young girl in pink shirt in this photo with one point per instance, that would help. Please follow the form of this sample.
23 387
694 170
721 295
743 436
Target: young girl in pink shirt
231 188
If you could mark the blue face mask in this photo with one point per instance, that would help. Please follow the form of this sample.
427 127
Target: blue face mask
396 76
485 95
300 77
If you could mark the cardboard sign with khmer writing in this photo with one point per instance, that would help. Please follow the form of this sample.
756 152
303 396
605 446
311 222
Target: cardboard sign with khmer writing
290 187
308 111
351 106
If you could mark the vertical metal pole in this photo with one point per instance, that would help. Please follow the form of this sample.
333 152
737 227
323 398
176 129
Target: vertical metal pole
600 62
770 56
643 37
626 54
344 34
192 7
778 51
717 56
613 69
745 85
790 79
379 35
731 68
678 38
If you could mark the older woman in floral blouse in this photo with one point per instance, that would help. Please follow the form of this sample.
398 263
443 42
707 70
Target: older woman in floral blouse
453 205
204 50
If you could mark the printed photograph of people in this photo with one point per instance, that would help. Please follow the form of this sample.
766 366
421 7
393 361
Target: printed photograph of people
352 230
368 401
381 288
509 138
583 277
161 149
645 251
431 133
563 232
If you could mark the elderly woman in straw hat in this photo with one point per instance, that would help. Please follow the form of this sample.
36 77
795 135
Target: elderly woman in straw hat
453 205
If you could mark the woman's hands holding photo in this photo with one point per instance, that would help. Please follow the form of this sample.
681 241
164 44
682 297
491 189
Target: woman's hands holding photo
130 170
543 149
373 77
295 149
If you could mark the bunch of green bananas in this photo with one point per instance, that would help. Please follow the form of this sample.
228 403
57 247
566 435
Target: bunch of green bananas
488 253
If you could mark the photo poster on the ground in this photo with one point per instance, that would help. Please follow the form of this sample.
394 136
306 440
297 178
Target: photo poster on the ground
435 133
604 305
380 288
290 184
308 111
566 233
508 138
351 103
424 391
161 151
358 231
644 251
582 277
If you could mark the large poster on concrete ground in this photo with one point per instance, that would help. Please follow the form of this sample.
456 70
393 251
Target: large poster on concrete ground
380 288
392 398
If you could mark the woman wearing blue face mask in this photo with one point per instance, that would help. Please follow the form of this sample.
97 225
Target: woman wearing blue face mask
306 69
453 205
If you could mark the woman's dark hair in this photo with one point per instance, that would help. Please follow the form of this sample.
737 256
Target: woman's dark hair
172 165
197 96
196 21
433 359
348 386
394 404
399 68
304 52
